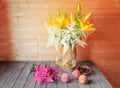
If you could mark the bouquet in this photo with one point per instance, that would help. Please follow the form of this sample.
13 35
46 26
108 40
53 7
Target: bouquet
69 30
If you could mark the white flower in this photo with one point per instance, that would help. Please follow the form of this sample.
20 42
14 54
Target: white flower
67 37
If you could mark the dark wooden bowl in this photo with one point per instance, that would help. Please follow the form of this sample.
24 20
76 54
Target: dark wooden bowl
84 70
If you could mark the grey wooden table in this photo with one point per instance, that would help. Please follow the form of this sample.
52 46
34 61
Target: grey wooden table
16 75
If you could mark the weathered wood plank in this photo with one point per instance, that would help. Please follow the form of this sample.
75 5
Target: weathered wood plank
51 85
21 80
30 83
73 84
3 66
4 76
83 85
16 75
13 76
62 85
93 81
101 79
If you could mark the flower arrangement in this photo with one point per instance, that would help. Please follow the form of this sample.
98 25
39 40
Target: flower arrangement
69 30
45 74
66 31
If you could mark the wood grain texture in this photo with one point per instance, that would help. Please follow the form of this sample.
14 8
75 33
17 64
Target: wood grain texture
6 74
13 76
110 70
20 77
28 37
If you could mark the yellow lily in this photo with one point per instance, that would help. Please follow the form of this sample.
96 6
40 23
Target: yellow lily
81 23
72 18
66 22
87 17
86 26
51 22
91 29
61 21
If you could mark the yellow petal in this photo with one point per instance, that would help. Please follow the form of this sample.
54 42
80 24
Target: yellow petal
81 23
87 17
66 22
91 25
85 28
91 29
71 17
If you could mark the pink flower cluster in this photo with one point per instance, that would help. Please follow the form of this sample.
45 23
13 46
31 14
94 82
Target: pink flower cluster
46 74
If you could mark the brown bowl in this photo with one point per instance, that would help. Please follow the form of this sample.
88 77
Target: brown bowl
84 70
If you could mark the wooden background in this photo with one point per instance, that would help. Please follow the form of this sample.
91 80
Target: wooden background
23 35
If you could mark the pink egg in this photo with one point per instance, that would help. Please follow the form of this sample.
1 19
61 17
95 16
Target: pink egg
76 73
83 79
65 77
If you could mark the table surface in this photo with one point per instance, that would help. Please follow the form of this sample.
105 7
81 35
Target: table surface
16 75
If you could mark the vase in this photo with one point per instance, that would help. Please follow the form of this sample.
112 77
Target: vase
66 60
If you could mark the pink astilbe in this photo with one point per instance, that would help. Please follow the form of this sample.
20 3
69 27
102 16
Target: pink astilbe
46 74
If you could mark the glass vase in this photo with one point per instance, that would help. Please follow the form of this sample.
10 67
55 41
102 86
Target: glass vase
66 60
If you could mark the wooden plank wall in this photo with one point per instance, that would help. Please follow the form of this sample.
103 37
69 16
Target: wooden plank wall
23 34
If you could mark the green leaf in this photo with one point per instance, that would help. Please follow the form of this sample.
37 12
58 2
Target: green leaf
79 10
64 14
33 68
49 17
78 35
58 12
46 65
